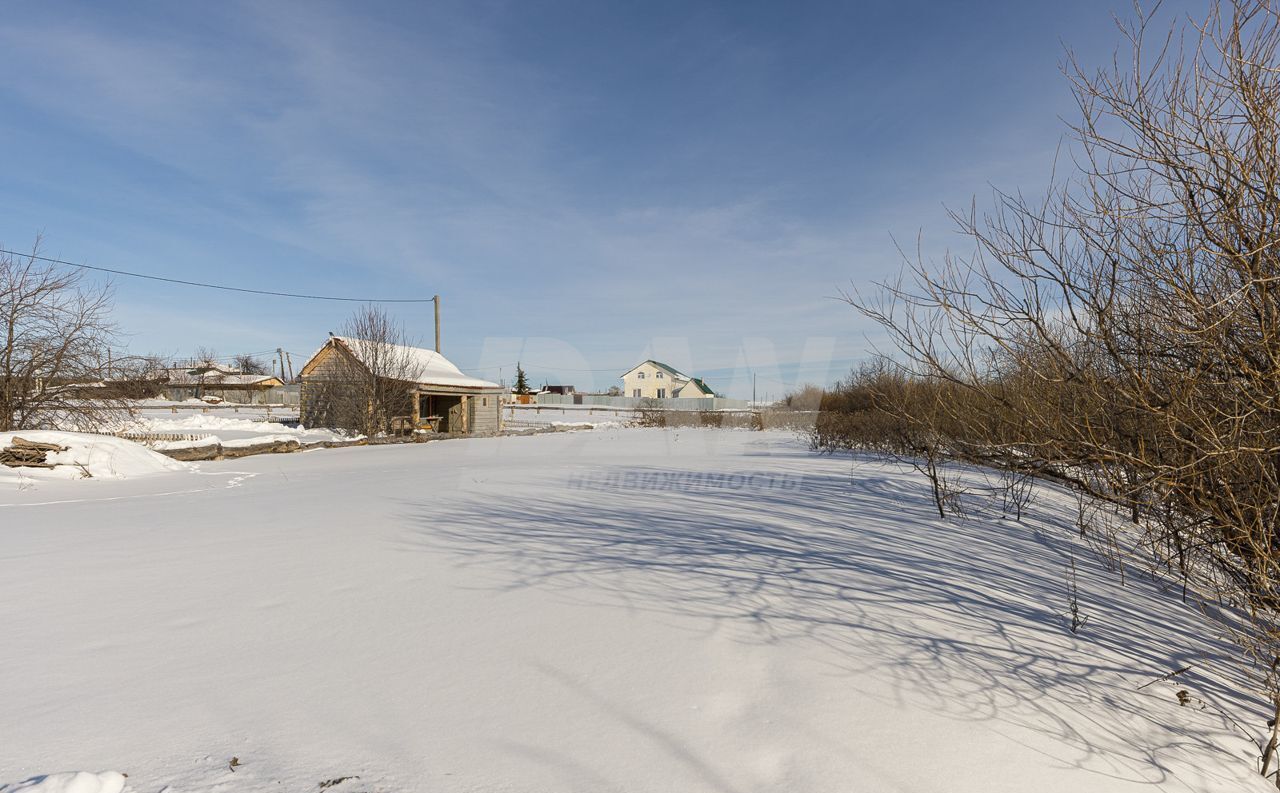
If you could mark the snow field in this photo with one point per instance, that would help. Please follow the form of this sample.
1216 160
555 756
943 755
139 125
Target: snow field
618 610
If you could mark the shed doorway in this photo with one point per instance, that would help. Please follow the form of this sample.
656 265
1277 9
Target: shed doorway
442 412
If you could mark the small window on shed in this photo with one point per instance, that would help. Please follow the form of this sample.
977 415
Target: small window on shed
484 402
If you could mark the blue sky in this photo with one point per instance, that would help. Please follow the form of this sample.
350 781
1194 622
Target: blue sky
586 184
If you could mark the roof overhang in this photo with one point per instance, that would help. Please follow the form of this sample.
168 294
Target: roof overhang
452 390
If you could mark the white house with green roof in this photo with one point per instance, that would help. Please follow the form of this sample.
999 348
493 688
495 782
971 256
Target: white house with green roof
655 380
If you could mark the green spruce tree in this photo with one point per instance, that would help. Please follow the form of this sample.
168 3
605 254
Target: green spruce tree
522 382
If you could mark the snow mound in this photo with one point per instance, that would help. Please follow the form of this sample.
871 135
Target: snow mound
99 456
257 440
71 782
227 430
203 422
586 425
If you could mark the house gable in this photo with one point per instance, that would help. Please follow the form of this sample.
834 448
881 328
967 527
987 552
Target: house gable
671 371
326 356
695 388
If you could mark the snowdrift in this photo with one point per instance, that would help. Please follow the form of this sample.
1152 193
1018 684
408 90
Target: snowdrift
227 430
88 456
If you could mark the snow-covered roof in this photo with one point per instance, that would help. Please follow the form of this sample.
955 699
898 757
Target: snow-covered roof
424 367
244 379
213 378
205 368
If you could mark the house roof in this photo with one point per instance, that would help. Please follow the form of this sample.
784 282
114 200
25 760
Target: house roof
660 365
423 367
214 378
211 367
706 389
248 379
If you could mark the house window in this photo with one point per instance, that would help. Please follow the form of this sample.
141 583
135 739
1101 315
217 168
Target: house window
635 392
484 402
662 393
639 375
658 375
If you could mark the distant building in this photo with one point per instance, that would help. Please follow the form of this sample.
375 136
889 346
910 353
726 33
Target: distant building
655 380
214 381
563 390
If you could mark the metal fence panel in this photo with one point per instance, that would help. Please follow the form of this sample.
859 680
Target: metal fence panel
671 403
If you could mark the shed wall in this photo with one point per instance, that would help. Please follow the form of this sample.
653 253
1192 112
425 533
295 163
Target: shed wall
486 415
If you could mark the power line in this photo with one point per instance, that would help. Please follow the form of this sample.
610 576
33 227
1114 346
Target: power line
226 357
215 286
541 366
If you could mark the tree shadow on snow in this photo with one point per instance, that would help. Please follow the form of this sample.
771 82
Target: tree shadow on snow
964 616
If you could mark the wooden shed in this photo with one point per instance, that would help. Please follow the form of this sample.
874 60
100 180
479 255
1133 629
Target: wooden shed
428 392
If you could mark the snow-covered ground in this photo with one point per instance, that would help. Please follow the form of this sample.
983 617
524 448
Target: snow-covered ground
71 782
618 610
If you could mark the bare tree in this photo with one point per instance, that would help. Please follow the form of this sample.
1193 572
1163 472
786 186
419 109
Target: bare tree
1122 333
205 358
247 364
57 339
366 385
137 376
206 367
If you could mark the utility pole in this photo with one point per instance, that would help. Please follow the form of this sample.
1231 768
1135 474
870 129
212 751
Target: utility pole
436 300
289 358
753 389
280 352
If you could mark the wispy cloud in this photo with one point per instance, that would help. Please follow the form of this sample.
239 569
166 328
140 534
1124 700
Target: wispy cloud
591 175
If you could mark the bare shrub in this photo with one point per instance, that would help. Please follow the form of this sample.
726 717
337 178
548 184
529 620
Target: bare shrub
649 413
1075 619
883 410
807 397
1016 491
710 418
